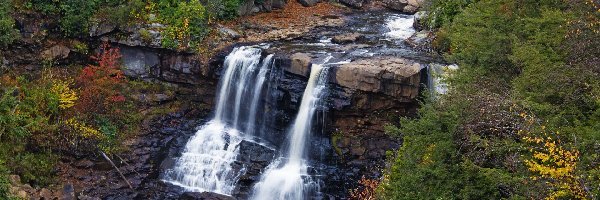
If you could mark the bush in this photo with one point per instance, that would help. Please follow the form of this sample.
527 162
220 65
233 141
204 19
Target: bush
8 33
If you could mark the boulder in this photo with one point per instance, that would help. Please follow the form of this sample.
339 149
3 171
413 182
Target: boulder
101 28
204 196
420 39
252 160
407 6
229 32
246 7
396 77
346 38
308 3
68 192
300 64
354 3
56 52
278 4
419 23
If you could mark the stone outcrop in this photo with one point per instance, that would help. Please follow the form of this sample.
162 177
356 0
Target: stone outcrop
392 76
407 6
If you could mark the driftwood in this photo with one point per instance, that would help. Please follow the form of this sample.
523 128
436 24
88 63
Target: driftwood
113 164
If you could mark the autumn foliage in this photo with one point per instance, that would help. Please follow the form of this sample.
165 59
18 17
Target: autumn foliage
100 84
366 190
552 161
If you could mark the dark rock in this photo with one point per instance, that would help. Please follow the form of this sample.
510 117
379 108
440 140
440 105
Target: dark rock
253 158
354 3
204 196
308 3
102 28
279 4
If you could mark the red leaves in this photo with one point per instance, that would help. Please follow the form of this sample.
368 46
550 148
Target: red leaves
100 84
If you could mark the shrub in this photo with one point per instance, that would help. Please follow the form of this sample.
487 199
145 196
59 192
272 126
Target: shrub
8 33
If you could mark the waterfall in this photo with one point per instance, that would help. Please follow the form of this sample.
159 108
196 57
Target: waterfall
205 164
287 177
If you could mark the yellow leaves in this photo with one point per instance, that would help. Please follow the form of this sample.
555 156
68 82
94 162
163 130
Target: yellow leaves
554 163
83 129
426 160
66 95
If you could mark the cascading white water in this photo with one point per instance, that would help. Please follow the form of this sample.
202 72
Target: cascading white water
287 178
205 164
401 26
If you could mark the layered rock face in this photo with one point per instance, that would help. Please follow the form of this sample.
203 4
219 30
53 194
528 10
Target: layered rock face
396 77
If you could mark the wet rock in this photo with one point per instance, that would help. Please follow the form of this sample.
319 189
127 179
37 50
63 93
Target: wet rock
251 152
300 64
253 158
354 3
396 77
308 3
407 6
153 99
346 38
56 52
204 196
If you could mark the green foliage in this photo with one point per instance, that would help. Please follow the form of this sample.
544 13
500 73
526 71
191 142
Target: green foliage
515 57
223 9
4 183
8 33
187 23
443 11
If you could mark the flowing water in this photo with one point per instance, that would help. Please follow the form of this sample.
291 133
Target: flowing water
205 164
287 177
